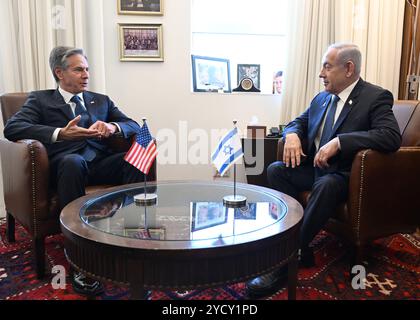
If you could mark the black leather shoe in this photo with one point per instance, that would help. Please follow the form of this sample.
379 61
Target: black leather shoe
86 286
266 284
307 258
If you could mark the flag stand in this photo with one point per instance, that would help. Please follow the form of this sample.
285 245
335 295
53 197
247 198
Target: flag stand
234 201
145 199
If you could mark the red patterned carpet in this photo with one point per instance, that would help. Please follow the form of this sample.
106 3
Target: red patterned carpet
393 271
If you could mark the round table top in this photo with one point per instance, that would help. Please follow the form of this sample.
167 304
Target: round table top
187 215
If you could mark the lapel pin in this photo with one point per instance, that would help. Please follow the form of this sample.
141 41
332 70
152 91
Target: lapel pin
350 102
92 102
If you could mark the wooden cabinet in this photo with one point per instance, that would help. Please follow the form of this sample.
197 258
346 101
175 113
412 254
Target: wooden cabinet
258 154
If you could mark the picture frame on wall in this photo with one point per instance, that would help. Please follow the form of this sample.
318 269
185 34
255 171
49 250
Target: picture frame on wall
141 42
251 71
210 74
140 7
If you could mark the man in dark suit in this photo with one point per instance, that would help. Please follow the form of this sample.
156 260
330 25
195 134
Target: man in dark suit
73 123
348 116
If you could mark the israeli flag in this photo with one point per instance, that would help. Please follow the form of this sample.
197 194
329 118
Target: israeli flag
227 152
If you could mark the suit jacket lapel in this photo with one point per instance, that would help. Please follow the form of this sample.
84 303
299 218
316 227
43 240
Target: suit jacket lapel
316 121
90 104
348 106
322 112
61 105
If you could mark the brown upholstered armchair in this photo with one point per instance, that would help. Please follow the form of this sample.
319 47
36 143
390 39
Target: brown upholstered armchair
27 194
383 187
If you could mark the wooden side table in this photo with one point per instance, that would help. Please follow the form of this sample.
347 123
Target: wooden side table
258 154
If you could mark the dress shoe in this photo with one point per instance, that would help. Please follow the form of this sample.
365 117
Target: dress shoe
307 258
86 286
266 284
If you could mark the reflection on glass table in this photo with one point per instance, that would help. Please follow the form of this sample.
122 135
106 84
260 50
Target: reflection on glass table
196 215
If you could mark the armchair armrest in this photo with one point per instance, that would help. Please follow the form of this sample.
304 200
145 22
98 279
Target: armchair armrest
383 191
25 169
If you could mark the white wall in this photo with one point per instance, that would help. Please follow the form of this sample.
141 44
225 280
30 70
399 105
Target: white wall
161 91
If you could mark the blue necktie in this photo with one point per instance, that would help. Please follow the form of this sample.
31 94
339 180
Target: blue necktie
329 121
80 110
88 152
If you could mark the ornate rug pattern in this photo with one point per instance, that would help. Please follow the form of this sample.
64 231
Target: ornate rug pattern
392 269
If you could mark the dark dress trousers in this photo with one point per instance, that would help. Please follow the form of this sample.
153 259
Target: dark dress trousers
46 110
365 122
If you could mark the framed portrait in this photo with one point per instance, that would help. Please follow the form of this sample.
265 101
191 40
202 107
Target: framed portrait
141 42
143 7
208 214
248 212
143 233
251 71
277 82
210 74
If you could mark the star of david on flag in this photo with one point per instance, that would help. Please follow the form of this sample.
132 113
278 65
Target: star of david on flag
143 150
228 151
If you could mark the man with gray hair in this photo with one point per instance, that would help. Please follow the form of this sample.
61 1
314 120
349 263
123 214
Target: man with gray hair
350 115
73 124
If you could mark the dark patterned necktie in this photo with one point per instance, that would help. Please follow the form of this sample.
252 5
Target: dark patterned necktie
329 121
81 110
88 152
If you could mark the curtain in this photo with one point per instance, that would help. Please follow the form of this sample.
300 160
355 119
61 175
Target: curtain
376 26
410 49
308 36
31 28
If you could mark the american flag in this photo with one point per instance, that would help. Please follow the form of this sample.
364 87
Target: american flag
143 150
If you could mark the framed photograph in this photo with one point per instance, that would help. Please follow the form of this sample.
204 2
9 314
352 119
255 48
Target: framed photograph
208 214
141 42
210 74
277 82
142 233
143 7
251 71
248 212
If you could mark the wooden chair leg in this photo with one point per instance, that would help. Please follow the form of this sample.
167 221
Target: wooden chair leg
10 222
39 251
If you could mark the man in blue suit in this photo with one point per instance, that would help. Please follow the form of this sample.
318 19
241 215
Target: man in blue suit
348 116
73 123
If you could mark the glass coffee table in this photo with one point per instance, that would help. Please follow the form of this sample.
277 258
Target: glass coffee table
187 240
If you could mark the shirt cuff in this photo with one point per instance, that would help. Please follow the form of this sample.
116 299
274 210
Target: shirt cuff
55 135
117 125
